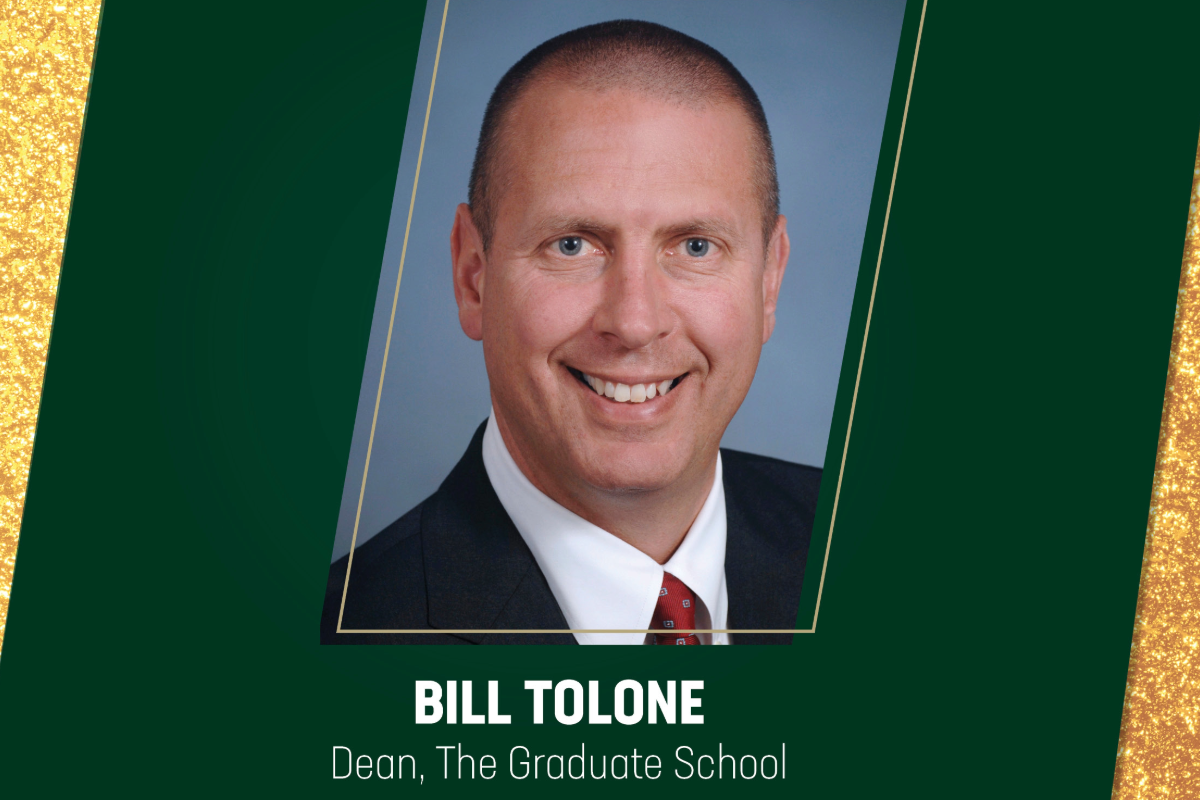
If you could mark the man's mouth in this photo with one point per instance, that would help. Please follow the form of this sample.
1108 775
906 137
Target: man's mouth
626 393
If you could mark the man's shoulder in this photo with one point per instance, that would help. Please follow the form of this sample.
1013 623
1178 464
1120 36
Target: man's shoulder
454 562
770 509
765 481
397 541
388 586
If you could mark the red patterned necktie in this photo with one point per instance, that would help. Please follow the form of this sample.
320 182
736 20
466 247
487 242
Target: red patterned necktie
676 610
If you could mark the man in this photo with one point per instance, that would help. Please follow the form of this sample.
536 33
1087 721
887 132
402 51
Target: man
620 260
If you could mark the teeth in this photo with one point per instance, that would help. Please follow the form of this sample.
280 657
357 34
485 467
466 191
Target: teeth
623 393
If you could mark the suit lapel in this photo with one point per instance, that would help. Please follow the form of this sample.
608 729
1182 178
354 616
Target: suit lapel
479 572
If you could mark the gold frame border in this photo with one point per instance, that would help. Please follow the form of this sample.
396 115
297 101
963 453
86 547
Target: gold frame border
849 423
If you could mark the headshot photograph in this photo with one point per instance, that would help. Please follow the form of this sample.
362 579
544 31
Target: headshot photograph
611 319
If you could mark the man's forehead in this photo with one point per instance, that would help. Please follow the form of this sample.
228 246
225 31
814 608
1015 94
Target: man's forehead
550 105
587 147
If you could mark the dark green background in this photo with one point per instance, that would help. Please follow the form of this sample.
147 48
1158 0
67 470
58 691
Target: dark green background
233 194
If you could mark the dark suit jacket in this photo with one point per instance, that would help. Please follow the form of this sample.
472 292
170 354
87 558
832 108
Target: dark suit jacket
457 561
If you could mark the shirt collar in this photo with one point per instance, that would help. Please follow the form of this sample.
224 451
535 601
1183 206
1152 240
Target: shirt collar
600 581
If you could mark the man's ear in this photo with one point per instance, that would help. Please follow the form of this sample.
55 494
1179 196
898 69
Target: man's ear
778 249
469 264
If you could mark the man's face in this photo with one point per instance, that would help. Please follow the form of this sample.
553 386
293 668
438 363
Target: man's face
627 250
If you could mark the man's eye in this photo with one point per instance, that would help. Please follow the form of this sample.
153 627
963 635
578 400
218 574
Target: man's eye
570 245
696 247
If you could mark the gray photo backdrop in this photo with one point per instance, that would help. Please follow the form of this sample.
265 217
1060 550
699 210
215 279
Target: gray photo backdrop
823 71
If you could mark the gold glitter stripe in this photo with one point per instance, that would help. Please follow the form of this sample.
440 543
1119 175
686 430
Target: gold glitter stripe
45 65
1159 752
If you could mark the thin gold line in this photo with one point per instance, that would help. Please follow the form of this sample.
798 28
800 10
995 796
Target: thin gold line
571 630
392 321
870 309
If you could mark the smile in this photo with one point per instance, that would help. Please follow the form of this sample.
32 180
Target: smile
625 393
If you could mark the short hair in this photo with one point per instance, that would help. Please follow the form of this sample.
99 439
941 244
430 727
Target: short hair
641 55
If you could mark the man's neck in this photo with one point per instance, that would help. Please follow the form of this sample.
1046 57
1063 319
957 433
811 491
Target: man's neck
654 521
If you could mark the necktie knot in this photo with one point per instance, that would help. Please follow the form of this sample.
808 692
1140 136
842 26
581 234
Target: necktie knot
675 611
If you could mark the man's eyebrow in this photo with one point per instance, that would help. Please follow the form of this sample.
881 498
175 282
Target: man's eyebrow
700 226
571 223
705 225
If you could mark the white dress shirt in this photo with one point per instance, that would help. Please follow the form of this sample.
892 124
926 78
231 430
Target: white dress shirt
600 581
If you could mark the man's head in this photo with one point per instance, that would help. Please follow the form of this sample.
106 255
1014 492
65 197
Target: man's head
629 54
623 229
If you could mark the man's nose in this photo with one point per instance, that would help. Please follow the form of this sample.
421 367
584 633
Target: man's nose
633 309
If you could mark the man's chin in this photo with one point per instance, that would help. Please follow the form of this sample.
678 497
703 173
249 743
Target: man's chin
638 469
